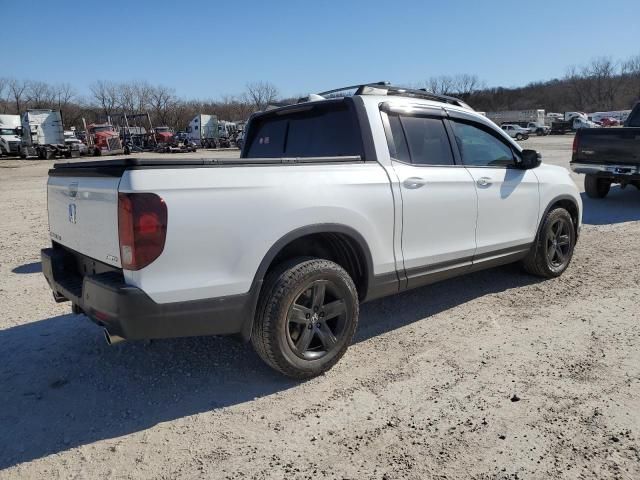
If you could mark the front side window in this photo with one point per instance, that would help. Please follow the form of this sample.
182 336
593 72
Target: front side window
420 140
479 148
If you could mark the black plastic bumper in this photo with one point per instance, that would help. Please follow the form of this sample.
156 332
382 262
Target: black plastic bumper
100 292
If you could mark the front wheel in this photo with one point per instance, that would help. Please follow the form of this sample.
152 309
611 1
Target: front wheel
552 251
596 187
306 317
519 136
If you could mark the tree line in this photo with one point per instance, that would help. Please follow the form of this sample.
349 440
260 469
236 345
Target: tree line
137 97
603 84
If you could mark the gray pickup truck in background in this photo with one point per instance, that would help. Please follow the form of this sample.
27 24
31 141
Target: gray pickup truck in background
608 156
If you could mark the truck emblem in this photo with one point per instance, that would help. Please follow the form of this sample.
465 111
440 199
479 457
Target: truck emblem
72 213
73 189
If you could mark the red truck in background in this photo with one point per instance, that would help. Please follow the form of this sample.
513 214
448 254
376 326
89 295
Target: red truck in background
164 136
103 139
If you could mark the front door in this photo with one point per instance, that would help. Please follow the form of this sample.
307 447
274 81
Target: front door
508 198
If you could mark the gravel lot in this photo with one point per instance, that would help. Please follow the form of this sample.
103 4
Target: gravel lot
493 375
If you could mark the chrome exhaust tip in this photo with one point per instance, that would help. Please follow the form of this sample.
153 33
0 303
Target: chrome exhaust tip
112 339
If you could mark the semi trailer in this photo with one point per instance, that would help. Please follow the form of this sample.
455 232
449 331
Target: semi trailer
43 135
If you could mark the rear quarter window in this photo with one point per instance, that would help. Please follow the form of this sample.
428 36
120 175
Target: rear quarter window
326 130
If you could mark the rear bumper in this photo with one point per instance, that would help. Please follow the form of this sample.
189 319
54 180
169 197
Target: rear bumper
130 313
604 170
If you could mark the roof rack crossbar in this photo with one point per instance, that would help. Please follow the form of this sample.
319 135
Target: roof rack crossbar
351 87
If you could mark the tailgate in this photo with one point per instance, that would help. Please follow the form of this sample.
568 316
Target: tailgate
608 145
83 215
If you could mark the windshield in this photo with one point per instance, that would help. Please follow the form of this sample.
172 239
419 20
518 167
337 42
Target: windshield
108 128
7 131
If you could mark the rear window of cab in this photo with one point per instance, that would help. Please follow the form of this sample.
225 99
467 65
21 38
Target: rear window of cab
323 130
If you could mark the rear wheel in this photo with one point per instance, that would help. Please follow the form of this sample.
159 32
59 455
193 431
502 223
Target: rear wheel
306 317
553 249
596 187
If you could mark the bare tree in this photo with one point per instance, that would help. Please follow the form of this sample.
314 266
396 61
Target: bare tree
17 90
441 85
162 101
40 95
105 94
261 94
64 94
4 90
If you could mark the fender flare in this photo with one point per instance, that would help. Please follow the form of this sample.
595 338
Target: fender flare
553 201
258 279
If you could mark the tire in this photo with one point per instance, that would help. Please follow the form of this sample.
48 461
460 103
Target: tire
519 136
596 187
297 342
552 251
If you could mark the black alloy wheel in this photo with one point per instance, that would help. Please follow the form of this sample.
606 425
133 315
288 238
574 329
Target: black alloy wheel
316 321
558 243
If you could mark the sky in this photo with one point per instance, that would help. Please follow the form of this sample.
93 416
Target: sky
206 49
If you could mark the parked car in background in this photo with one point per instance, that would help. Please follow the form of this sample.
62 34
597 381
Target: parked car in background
516 131
333 202
539 129
608 156
75 143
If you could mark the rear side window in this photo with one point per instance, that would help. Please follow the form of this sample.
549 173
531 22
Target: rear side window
420 140
479 148
325 131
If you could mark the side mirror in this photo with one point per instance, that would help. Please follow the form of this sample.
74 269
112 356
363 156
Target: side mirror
529 159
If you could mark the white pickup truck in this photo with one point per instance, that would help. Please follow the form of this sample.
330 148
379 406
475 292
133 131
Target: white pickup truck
334 201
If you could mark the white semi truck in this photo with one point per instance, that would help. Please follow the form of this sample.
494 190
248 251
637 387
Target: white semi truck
203 131
9 134
43 135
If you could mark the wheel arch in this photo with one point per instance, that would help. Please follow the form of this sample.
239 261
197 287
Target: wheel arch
331 241
570 205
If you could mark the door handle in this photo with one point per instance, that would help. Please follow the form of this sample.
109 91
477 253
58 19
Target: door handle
483 181
413 183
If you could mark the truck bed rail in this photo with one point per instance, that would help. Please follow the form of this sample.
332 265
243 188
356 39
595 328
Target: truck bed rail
117 167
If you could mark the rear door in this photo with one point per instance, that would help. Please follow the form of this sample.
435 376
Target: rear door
508 198
83 215
439 202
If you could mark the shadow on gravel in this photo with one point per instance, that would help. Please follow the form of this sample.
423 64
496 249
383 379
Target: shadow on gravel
617 207
61 386
34 267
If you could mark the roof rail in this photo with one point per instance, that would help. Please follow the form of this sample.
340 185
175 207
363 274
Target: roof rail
385 88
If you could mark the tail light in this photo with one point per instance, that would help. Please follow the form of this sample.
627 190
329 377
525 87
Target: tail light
575 144
142 228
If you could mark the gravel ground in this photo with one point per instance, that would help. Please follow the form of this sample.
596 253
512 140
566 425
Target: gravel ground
492 375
